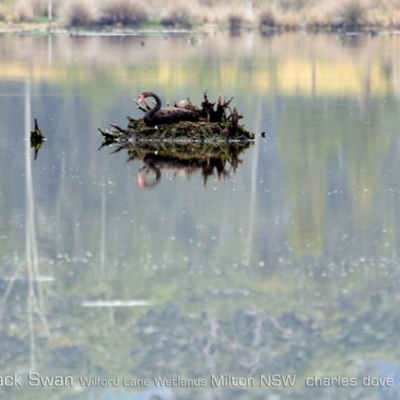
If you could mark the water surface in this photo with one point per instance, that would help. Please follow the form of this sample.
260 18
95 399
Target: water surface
284 264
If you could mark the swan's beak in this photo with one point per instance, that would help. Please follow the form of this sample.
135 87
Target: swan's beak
141 98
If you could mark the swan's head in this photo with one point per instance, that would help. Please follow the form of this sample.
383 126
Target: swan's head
146 94
142 96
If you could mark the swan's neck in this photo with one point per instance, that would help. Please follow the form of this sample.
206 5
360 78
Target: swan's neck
156 107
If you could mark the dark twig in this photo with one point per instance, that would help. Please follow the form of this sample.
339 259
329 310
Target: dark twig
139 106
118 128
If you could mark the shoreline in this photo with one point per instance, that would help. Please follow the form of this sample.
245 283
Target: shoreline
45 28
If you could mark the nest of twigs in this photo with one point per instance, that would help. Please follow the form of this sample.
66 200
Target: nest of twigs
219 123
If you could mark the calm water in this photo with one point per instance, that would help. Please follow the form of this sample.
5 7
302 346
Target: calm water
280 272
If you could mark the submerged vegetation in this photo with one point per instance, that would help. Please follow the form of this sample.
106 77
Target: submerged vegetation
265 14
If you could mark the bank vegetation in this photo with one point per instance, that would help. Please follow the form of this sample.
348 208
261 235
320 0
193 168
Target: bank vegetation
267 15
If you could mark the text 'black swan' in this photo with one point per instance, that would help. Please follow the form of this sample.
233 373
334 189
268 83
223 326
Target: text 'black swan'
166 115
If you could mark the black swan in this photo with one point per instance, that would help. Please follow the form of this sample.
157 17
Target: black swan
166 115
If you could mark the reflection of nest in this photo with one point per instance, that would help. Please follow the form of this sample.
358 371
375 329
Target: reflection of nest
222 159
156 163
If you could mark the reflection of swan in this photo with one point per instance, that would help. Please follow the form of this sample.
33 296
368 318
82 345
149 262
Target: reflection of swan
155 163
183 166
166 115
149 165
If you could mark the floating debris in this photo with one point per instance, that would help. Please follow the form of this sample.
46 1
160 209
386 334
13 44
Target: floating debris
116 303
37 138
